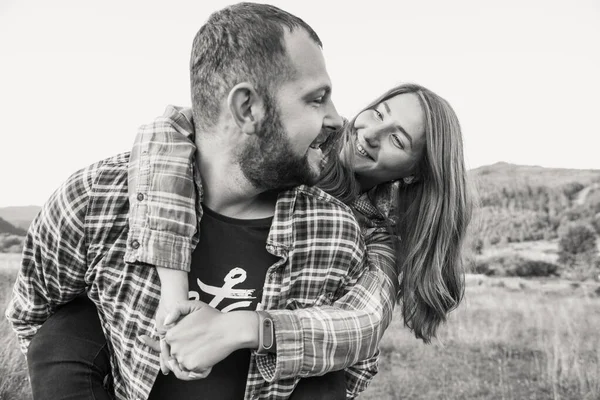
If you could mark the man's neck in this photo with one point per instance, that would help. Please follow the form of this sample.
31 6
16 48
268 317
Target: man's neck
226 189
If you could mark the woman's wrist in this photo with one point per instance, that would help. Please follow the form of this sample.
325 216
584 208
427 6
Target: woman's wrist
174 283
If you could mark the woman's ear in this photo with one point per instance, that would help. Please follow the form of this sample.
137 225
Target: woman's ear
246 107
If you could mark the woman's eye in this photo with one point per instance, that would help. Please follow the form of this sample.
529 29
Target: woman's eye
378 115
397 142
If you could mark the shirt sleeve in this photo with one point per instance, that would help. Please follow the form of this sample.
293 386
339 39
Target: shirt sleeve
162 197
54 263
316 340
359 376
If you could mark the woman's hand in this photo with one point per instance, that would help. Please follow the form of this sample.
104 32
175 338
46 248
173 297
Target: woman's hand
201 337
174 289
173 365
198 336
168 313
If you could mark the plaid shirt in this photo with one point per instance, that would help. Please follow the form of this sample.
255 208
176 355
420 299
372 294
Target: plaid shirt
161 164
323 283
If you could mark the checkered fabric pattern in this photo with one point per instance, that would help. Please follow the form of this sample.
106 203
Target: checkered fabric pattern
329 301
160 165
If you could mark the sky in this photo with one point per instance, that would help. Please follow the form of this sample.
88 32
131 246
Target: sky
77 78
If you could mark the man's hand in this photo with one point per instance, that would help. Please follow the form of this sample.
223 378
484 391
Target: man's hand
204 335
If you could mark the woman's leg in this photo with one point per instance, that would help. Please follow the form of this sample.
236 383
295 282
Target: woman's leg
68 357
331 386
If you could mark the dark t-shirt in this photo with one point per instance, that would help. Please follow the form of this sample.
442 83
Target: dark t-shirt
228 272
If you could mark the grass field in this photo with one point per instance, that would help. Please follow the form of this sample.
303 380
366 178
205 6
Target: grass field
511 339
13 371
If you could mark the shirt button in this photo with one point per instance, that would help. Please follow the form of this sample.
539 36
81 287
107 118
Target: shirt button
135 244
140 196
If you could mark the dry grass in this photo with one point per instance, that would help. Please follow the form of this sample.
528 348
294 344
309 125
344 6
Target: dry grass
13 370
511 339
542 250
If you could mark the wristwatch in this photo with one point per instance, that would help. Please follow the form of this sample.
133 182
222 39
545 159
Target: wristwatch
266 333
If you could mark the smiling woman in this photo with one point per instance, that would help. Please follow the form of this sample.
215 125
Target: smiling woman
403 155
387 141
399 164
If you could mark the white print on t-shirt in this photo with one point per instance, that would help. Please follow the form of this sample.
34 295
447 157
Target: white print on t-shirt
235 276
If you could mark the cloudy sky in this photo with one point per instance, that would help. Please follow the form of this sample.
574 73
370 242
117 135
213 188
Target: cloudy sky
77 78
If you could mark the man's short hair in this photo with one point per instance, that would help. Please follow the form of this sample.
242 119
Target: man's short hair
240 43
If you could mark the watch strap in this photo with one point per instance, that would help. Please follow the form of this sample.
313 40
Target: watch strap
266 333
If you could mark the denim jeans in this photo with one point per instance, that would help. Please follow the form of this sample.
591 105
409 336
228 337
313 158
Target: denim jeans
68 357
331 386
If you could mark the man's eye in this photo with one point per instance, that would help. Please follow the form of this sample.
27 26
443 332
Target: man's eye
319 100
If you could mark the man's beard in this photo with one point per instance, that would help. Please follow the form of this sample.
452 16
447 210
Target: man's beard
269 162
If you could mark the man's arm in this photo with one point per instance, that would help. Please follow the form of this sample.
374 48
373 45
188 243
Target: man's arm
310 341
358 319
54 258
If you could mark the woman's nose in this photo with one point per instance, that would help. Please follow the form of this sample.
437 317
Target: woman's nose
372 137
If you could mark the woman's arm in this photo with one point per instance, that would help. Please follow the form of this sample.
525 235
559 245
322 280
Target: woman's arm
162 194
320 339
355 321
162 197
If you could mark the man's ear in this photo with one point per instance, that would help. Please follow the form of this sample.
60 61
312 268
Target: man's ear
246 107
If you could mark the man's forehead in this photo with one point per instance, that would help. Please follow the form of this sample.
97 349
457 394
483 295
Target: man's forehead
307 61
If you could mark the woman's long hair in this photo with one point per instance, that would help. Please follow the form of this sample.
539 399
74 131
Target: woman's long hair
433 214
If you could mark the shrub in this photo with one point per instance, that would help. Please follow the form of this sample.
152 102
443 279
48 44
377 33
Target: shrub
11 243
577 241
531 268
577 251
571 189
576 213
483 267
514 265
477 246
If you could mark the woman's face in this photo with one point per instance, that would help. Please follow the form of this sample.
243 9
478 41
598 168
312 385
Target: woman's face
389 140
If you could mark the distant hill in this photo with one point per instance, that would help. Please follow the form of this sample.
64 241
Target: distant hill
516 202
521 203
20 217
502 173
7 227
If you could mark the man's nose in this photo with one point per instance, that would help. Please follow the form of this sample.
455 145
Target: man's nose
333 120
